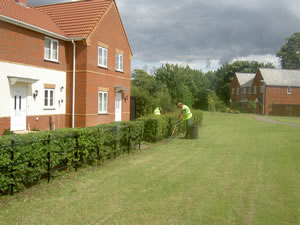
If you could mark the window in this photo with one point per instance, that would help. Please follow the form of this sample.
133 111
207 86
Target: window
49 98
244 90
289 90
102 57
232 91
249 90
102 102
119 62
262 89
255 89
51 49
237 91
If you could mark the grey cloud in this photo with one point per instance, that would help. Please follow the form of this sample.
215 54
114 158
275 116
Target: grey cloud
205 30
193 30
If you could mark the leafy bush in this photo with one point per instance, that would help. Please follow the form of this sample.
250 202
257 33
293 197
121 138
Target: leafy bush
65 147
7 132
158 127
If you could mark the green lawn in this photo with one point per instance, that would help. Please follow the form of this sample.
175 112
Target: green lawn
239 171
287 119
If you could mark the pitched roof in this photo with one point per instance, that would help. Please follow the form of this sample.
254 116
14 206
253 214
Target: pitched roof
77 19
245 79
21 15
276 77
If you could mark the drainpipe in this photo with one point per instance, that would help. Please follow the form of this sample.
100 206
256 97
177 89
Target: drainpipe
73 97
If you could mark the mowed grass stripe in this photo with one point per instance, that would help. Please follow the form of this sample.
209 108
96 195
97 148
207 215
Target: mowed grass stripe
239 171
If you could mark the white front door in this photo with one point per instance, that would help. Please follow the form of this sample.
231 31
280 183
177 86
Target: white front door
18 115
118 107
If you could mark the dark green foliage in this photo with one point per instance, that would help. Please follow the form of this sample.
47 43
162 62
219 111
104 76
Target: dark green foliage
77 147
67 147
155 127
159 127
289 53
7 132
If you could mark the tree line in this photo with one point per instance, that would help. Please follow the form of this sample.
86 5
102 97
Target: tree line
172 83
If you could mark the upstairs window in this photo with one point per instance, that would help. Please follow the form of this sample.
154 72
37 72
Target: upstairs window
51 49
102 57
237 91
232 91
244 90
119 62
254 89
49 98
289 90
262 89
249 90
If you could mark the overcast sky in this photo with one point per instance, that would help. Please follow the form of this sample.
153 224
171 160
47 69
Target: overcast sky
205 34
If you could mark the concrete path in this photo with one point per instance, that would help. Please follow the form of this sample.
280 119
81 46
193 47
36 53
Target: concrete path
270 120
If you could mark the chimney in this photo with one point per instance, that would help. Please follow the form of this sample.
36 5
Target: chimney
22 2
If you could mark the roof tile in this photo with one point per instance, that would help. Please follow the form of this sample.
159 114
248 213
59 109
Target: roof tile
28 15
77 19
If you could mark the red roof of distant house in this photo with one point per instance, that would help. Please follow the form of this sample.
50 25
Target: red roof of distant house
77 19
28 15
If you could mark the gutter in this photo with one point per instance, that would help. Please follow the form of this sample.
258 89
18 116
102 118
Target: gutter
38 29
73 97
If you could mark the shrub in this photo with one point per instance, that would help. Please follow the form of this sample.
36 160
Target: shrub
66 148
7 132
159 127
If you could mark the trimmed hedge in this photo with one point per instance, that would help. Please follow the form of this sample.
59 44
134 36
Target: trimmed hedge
157 128
66 147
76 147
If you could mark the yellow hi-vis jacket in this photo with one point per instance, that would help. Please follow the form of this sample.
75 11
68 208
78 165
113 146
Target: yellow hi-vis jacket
186 112
156 111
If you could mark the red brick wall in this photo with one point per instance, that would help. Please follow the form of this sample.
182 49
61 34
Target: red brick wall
89 76
235 84
257 82
42 123
4 124
278 95
24 46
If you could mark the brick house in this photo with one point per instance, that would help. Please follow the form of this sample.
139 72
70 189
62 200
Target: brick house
63 65
241 90
276 92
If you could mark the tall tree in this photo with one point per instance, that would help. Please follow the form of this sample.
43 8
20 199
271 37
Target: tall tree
179 81
289 53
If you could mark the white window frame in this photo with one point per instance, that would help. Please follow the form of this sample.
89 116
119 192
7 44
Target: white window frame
47 101
237 91
289 90
232 91
102 59
51 50
255 90
119 62
102 104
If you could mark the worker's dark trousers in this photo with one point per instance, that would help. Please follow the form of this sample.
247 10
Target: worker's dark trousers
189 125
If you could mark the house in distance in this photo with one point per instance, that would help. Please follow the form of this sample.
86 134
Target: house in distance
272 91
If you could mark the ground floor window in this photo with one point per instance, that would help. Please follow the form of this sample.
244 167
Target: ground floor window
102 102
49 98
